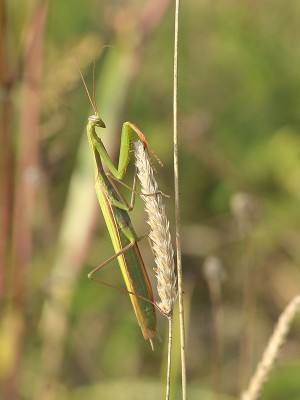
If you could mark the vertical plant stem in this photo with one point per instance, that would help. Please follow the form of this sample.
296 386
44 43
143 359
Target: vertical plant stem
26 178
28 156
244 207
6 151
170 319
177 203
213 273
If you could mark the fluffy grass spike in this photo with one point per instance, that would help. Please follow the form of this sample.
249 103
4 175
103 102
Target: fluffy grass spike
159 231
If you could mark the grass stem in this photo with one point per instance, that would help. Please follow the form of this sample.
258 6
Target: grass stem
177 202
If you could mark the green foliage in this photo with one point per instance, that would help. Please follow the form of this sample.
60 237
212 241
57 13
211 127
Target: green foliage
284 383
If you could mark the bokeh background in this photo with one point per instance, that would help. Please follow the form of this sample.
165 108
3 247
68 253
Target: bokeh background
65 337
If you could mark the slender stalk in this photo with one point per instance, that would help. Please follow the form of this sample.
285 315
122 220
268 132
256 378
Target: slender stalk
6 150
26 178
170 319
177 202
213 272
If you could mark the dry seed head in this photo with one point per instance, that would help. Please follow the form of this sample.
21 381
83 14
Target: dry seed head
159 231
269 357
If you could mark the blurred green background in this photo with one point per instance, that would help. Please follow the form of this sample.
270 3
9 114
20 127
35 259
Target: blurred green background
65 337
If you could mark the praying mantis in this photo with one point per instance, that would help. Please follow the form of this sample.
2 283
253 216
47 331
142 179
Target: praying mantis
115 212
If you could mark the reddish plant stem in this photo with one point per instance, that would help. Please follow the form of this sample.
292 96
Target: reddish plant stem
6 156
25 187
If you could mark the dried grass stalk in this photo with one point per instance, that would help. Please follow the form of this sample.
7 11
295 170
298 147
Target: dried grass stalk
159 231
271 352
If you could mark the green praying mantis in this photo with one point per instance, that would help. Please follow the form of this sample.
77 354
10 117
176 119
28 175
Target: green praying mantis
115 212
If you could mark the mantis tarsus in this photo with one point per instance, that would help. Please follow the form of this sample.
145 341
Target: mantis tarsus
115 211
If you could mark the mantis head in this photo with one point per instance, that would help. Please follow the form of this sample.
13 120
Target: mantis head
97 121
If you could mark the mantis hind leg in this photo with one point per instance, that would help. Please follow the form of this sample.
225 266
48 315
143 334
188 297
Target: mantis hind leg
110 259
